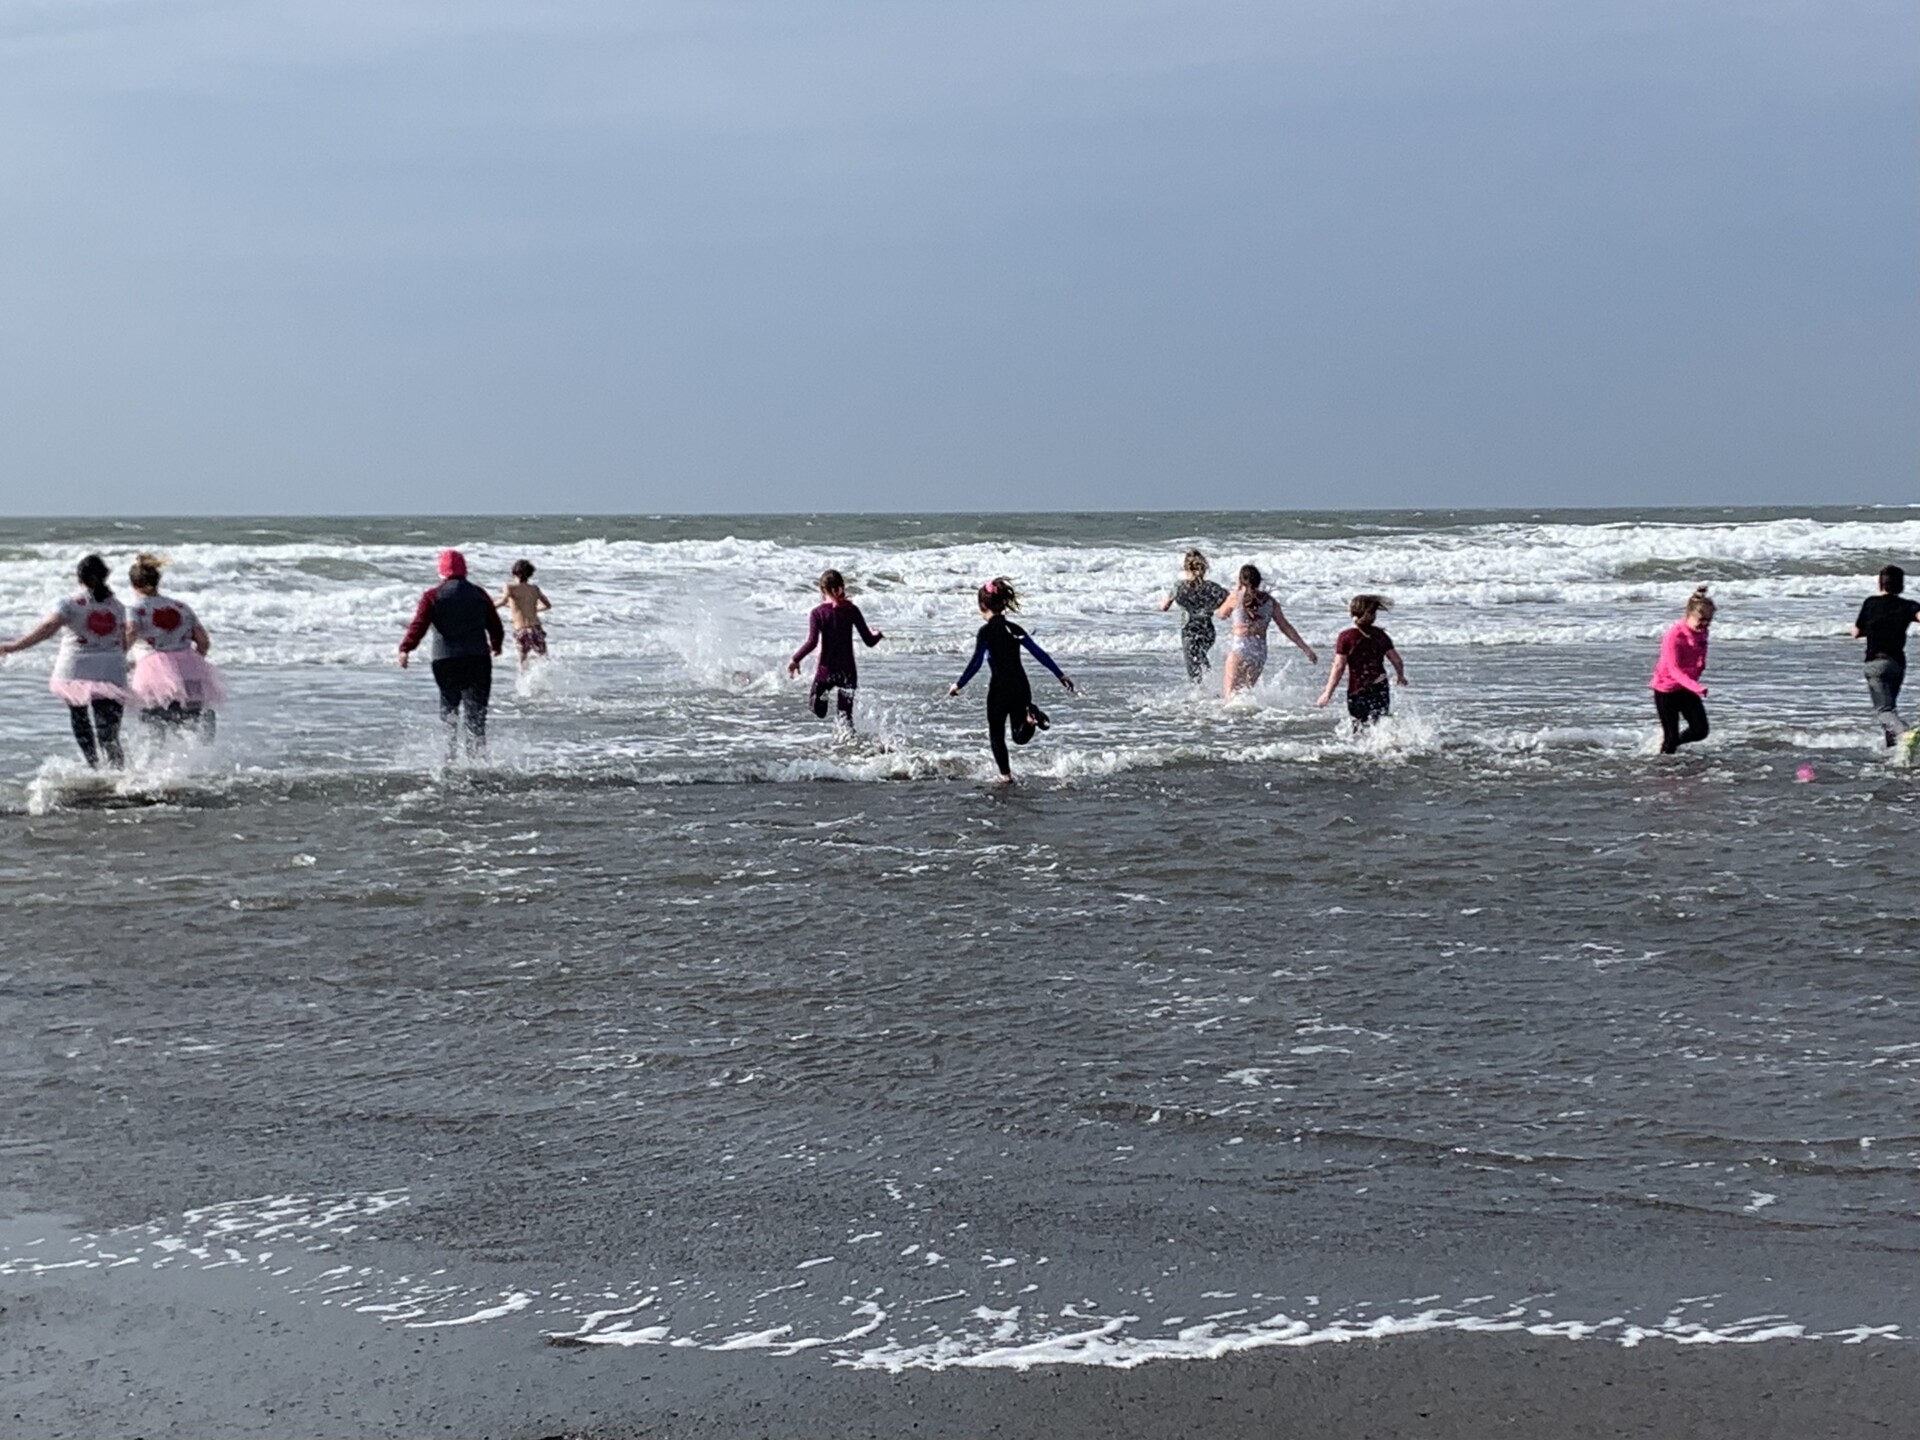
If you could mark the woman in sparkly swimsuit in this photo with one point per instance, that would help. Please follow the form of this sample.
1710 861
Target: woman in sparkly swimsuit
1252 610
1199 597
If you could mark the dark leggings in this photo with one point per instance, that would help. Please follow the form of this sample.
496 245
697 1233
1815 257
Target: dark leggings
97 728
1009 708
1368 705
176 716
817 697
1675 706
466 685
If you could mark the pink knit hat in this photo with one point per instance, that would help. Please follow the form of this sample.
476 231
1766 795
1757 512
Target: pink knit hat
452 563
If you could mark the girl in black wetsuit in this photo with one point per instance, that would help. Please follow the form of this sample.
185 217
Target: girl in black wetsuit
1009 696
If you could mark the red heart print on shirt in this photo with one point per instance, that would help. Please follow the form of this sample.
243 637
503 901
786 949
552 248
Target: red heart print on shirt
166 618
100 622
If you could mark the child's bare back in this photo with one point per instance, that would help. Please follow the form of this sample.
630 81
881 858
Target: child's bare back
524 601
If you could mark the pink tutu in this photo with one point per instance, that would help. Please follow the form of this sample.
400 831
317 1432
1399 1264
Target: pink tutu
82 693
168 677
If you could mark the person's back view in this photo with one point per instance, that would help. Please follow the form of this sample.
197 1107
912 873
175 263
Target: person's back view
467 634
1882 623
526 602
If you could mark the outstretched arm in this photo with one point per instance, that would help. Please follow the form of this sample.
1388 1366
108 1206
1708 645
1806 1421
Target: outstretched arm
1166 604
1333 679
973 666
813 639
1285 626
1226 606
1046 660
872 637
45 630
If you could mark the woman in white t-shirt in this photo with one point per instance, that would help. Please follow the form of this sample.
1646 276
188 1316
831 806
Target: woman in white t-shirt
173 681
90 673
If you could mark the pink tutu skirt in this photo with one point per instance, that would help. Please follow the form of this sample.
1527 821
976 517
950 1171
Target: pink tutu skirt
82 693
168 677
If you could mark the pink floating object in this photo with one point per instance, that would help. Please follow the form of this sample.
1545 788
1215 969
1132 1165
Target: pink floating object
1804 775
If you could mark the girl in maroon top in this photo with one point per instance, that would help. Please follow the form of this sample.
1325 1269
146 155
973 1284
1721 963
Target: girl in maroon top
1363 653
831 625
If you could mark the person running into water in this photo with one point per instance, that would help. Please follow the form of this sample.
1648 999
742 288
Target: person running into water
1882 623
525 602
1363 652
1199 597
1009 695
1253 609
467 634
90 672
831 625
175 685
1677 691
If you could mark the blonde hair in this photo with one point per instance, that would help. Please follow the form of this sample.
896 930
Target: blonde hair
144 573
1699 604
1365 608
1195 564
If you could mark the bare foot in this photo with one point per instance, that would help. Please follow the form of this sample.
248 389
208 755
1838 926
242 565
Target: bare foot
1003 779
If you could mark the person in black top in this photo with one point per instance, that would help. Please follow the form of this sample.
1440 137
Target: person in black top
1199 597
1882 623
1009 695
467 634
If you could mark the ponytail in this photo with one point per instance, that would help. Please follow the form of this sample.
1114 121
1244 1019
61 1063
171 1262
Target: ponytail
92 573
1365 608
145 571
998 597
1699 604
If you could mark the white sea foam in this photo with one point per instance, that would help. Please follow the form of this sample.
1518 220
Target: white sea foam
1528 643
319 1246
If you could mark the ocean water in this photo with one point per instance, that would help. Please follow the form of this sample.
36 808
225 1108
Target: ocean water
680 1020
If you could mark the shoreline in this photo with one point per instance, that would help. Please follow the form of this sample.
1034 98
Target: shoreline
224 1352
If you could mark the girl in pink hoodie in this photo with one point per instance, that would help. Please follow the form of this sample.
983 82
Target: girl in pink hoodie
1677 691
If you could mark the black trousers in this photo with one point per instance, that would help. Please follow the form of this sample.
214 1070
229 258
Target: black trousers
826 681
1009 707
97 728
466 686
1368 705
175 716
1674 706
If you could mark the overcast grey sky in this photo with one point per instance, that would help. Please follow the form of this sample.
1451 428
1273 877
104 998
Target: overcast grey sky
377 255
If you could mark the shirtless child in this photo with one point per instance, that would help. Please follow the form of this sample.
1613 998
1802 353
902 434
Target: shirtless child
524 601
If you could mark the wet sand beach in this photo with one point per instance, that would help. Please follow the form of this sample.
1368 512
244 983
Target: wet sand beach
1230 1076
194 1353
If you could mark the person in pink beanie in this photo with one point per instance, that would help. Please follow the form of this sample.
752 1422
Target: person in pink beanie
467 634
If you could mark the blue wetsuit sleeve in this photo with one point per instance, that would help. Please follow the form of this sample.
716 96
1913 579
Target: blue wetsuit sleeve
973 665
1042 656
